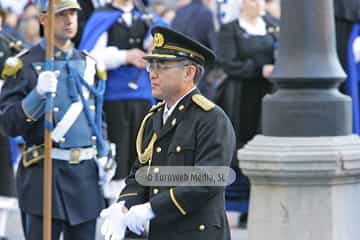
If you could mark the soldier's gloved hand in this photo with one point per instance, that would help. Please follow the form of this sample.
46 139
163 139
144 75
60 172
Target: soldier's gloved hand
47 83
138 216
106 169
114 226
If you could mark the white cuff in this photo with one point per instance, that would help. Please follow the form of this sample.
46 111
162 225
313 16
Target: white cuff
112 57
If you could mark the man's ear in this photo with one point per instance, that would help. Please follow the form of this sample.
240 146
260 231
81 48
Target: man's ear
190 72
42 19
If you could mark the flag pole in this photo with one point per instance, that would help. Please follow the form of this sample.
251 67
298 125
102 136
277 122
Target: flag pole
47 180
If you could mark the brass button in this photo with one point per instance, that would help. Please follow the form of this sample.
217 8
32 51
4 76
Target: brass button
93 138
62 140
92 107
28 120
178 149
173 122
156 170
181 107
158 149
56 109
38 68
202 227
35 154
155 190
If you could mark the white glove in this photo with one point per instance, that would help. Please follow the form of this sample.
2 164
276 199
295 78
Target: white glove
356 49
106 169
138 216
47 83
114 226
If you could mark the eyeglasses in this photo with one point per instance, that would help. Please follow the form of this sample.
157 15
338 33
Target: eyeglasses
156 66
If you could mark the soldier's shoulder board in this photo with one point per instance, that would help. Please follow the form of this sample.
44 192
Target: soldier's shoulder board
204 103
157 106
11 67
13 64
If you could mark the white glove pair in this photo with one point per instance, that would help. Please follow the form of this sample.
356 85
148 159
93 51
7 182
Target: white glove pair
47 83
117 218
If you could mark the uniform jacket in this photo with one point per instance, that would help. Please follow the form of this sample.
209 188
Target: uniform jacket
192 136
76 194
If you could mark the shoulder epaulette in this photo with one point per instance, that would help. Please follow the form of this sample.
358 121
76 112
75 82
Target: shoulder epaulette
157 106
11 67
204 103
101 72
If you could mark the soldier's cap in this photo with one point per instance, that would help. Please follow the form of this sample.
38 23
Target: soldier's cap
172 45
62 5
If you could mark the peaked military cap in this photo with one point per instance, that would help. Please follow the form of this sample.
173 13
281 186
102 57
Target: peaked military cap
61 5
172 45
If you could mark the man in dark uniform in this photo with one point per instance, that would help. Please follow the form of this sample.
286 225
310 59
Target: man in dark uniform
186 129
7 185
79 150
117 35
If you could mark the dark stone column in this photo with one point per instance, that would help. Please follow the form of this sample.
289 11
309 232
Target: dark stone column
307 74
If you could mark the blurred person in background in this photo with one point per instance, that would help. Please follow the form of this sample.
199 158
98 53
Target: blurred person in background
347 14
28 25
347 25
118 35
7 183
197 11
273 11
165 12
5 50
247 56
227 11
10 24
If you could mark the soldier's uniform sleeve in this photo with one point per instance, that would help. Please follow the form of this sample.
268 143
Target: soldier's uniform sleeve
215 145
134 193
20 104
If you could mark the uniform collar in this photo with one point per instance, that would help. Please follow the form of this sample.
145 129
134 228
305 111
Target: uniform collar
176 116
58 53
168 111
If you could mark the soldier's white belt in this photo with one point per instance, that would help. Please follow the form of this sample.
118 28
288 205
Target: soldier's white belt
74 155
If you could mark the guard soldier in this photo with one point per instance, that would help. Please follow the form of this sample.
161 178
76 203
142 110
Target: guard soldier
79 151
185 129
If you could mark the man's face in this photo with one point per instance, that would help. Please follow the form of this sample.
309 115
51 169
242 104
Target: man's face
167 78
66 24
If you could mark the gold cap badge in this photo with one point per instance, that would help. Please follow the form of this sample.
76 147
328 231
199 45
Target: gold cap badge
158 40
